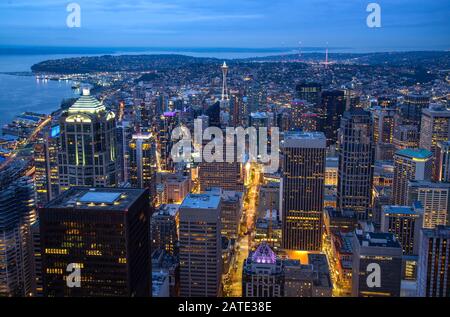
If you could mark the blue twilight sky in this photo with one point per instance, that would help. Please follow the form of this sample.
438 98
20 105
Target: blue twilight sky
406 24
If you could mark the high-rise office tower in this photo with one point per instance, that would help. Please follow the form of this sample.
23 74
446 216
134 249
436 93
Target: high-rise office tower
102 232
383 131
435 127
411 109
435 199
231 213
226 175
125 131
36 271
262 274
302 189
310 92
176 187
240 109
45 154
164 232
434 264
409 164
352 99
17 215
442 162
405 223
88 145
200 245
383 124
167 122
295 114
142 163
333 105
356 159
377 265
406 136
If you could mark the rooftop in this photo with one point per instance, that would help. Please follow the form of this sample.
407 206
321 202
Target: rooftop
400 210
438 231
377 239
259 115
428 184
87 103
167 209
119 199
304 139
264 254
202 201
417 153
99 197
332 162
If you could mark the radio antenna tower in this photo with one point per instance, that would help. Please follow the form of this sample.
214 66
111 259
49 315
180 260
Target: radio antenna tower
224 83
300 50
326 56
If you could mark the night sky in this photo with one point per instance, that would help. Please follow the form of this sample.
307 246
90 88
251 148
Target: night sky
406 24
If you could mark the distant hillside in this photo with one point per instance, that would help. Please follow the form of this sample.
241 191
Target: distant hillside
110 63
139 63
384 58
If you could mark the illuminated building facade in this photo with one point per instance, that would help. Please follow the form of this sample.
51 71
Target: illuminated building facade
88 145
167 122
435 127
411 109
435 199
356 159
434 264
310 92
104 232
302 189
372 253
442 161
17 215
142 163
176 187
406 136
269 197
262 274
383 132
124 136
409 164
231 213
45 154
333 105
164 232
200 245
226 175
405 223
331 171
383 124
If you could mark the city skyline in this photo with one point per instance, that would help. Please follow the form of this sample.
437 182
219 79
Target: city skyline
240 163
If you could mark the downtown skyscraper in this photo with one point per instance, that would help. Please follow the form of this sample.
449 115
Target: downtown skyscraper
356 159
409 165
17 215
200 245
302 190
87 156
435 128
105 233
434 265
142 163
